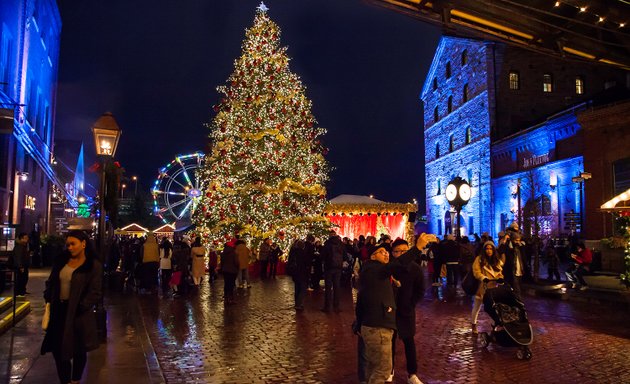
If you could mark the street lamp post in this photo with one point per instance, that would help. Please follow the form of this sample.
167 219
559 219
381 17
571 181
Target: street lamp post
458 194
106 135
580 180
122 191
135 185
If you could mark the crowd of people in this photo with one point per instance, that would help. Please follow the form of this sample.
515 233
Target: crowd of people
386 277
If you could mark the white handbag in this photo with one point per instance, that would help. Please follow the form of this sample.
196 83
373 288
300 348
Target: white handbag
46 317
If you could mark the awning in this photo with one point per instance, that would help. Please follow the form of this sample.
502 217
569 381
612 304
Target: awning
618 203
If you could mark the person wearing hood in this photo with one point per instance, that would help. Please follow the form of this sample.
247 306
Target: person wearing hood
488 265
376 314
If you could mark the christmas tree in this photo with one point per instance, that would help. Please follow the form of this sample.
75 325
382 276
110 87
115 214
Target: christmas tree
265 175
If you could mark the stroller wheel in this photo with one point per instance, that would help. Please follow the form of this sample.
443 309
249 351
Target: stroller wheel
485 339
520 354
528 354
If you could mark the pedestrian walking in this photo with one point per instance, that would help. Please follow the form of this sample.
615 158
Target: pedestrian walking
553 262
332 254
376 315
243 255
407 271
166 265
274 258
21 262
298 267
181 271
198 254
212 265
263 256
487 266
229 268
73 289
511 250
150 264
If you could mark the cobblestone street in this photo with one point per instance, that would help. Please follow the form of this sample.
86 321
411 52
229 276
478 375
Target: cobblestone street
262 339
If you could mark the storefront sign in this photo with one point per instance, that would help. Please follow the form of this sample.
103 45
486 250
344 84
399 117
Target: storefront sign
29 202
535 160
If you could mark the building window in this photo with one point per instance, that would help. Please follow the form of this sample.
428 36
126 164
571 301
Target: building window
434 83
547 83
464 57
439 187
465 93
451 143
450 104
579 85
470 176
515 81
436 115
471 225
468 135
437 150
439 227
503 221
448 69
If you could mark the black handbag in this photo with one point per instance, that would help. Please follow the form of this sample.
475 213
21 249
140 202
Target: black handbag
470 284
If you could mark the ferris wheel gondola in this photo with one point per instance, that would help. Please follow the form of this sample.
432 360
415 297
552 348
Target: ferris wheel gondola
176 189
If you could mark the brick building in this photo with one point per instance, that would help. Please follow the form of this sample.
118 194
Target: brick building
500 116
29 54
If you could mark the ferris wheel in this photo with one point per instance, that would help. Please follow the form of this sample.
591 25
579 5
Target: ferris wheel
176 189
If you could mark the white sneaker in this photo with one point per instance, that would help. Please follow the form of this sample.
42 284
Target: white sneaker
390 378
413 379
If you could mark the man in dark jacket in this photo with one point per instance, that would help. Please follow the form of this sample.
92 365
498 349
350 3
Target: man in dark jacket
332 253
510 248
376 314
21 262
408 273
229 268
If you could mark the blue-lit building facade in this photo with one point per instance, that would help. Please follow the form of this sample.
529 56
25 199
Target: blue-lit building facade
29 54
506 120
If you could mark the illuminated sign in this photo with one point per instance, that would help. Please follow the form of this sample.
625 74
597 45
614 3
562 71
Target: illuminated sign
29 202
535 160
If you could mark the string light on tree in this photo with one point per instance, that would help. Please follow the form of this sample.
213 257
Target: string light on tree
266 172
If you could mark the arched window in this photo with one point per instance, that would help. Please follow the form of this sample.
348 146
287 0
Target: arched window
465 93
451 143
434 83
436 115
437 150
450 104
448 69
464 57
468 135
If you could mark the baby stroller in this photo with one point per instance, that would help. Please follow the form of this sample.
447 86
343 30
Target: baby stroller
511 327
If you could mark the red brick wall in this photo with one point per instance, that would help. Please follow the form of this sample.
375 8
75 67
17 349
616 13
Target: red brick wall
606 139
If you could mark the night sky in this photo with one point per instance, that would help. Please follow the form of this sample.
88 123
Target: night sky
156 65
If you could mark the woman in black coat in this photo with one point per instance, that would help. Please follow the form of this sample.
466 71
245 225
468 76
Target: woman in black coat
73 288
299 267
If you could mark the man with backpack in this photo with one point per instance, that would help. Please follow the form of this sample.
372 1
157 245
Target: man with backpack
332 253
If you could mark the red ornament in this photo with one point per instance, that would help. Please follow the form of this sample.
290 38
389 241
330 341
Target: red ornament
285 203
230 184
276 212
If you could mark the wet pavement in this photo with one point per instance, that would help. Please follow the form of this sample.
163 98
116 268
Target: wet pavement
261 339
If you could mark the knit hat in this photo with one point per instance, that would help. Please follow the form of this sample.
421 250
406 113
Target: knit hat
488 243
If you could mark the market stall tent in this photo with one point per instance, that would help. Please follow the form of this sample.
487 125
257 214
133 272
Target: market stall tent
131 230
355 215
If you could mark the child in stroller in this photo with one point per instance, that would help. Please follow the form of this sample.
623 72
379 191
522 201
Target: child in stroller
511 327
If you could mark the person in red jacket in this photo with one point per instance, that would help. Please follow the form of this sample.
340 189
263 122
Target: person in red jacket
583 260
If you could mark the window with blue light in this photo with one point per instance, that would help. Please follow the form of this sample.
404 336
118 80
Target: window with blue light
468 135
439 187
465 94
450 104
448 70
470 176
451 143
471 225
464 57
436 115
437 150
439 226
435 84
